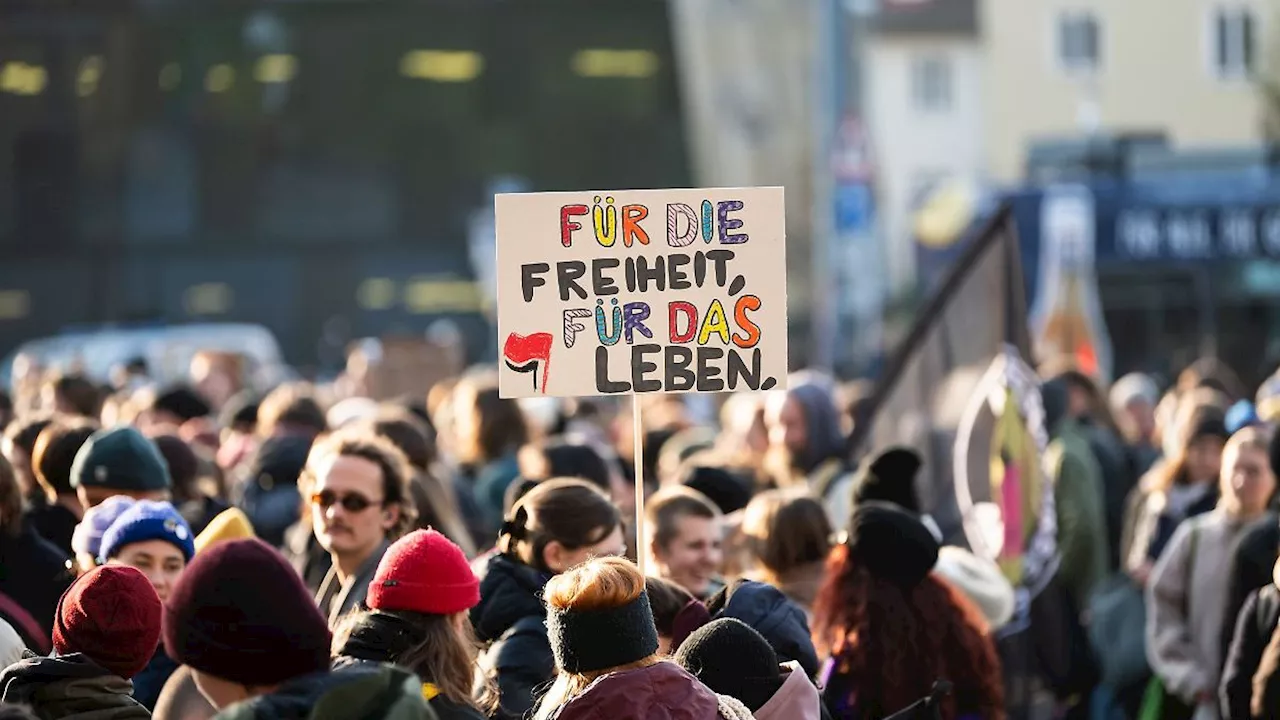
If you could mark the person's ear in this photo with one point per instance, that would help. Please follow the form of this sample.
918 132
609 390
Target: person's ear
390 516
554 556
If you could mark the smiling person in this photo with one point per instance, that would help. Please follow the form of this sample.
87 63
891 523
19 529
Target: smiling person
557 525
360 504
153 538
684 538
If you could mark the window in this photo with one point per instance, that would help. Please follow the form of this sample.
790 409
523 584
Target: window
931 83
1232 41
1079 48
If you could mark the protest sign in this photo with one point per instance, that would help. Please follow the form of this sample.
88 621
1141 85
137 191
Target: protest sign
641 291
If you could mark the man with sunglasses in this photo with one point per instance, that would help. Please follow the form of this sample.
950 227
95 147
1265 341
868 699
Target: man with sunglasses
360 504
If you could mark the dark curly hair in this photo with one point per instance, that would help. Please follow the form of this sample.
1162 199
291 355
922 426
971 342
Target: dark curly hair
891 643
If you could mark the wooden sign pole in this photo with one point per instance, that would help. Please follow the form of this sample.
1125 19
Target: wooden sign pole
637 465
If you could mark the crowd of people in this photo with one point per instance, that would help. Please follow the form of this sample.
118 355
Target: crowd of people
190 550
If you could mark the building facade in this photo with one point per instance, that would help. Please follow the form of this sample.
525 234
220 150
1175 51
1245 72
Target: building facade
1063 67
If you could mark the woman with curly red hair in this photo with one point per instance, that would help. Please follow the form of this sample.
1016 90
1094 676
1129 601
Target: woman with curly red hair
891 629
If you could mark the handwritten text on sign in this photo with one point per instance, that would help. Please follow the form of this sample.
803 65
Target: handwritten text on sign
640 291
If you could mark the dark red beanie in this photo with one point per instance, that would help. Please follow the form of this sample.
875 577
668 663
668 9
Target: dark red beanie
424 572
111 614
241 613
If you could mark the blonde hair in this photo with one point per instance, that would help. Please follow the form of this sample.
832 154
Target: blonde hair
598 584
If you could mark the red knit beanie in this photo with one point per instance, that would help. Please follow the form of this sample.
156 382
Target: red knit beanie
111 614
424 572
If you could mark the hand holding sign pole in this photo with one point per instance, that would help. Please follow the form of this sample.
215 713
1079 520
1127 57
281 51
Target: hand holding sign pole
641 291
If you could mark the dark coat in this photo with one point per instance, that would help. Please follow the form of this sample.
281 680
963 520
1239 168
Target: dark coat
54 523
376 691
1253 630
511 621
148 683
1251 565
773 615
70 687
34 574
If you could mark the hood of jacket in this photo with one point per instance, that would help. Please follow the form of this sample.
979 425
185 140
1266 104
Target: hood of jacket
509 592
773 615
70 686
659 692
797 699
361 690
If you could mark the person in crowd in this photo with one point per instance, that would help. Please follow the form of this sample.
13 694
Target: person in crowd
1187 591
360 504
239 423
270 495
153 538
890 476
436 500
489 432
33 572
217 376
258 646
418 618
684 538
557 525
807 442
1133 401
55 450
197 506
676 613
180 699
789 538
744 435
17 445
72 394
561 457
890 628
1184 487
1079 496
230 524
86 541
606 654
770 613
1253 558
108 626
732 659
679 448
291 409
171 408
719 484
1092 415
1241 415
1253 629
119 461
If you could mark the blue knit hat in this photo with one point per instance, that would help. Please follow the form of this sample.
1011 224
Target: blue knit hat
1241 415
87 537
120 458
148 520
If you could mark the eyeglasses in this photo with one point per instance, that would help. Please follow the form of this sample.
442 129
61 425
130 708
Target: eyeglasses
351 502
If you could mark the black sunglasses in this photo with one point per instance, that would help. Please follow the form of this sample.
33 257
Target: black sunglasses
352 502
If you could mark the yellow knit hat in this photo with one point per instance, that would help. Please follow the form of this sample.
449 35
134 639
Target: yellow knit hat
230 524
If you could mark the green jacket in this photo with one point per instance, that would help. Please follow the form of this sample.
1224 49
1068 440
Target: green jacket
69 687
366 692
1082 520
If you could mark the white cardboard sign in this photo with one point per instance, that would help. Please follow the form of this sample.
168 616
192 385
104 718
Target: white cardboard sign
641 291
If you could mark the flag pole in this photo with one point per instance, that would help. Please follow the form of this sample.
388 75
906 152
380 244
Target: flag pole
637 466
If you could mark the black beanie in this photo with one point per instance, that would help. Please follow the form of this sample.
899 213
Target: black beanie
729 492
891 477
732 659
891 543
589 640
